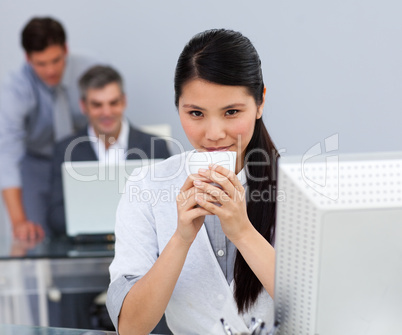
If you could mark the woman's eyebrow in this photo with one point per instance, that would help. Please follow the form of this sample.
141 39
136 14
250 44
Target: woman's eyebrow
231 106
236 105
193 107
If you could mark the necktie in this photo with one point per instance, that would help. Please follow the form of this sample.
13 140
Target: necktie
62 121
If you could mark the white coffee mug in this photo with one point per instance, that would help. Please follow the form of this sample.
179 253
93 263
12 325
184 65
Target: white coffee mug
201 160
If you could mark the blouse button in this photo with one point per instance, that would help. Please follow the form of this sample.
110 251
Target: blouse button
221 253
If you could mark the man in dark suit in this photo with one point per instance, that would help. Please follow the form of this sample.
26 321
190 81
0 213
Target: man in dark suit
108 138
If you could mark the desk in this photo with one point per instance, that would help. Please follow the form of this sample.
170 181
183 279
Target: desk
30 330
33 275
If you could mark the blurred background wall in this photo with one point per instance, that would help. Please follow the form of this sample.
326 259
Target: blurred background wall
330 67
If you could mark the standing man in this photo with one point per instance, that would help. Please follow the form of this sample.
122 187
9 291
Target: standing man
38 106
108 137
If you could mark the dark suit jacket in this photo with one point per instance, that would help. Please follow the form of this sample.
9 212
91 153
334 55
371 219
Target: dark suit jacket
83 151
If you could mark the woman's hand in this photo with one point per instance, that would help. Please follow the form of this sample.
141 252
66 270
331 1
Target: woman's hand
228 203
190 216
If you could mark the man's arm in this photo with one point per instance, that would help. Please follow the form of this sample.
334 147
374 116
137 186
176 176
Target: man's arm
15 102
22 228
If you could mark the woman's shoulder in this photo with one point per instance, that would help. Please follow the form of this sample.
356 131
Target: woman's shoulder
172 164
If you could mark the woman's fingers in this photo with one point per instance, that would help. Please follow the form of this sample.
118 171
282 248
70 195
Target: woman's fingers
186 200
223 177
213 193
189 181
212 208
230 175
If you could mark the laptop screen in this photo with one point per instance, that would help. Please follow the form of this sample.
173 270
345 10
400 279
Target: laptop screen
92 191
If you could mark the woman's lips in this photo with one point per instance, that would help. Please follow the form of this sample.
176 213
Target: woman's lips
217 148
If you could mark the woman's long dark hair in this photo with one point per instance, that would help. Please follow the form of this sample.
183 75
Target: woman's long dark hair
227 57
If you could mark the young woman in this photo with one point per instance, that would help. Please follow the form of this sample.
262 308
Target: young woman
206 254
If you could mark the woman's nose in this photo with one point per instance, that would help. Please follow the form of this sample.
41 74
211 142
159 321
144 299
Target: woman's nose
215 131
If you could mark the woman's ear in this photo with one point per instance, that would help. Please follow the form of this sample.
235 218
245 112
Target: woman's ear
260 108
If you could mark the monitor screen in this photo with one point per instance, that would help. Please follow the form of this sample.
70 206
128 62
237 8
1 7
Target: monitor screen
339 245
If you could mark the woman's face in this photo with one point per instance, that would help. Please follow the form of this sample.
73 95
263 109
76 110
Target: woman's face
218 117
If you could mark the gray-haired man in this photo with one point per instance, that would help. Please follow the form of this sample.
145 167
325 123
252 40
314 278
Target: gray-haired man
108 137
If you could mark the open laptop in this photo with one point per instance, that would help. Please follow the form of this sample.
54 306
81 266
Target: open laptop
92 191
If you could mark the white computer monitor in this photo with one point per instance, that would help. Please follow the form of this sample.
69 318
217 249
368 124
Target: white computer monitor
339 245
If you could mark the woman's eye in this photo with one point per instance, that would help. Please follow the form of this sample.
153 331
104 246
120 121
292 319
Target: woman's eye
196 113
232 112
